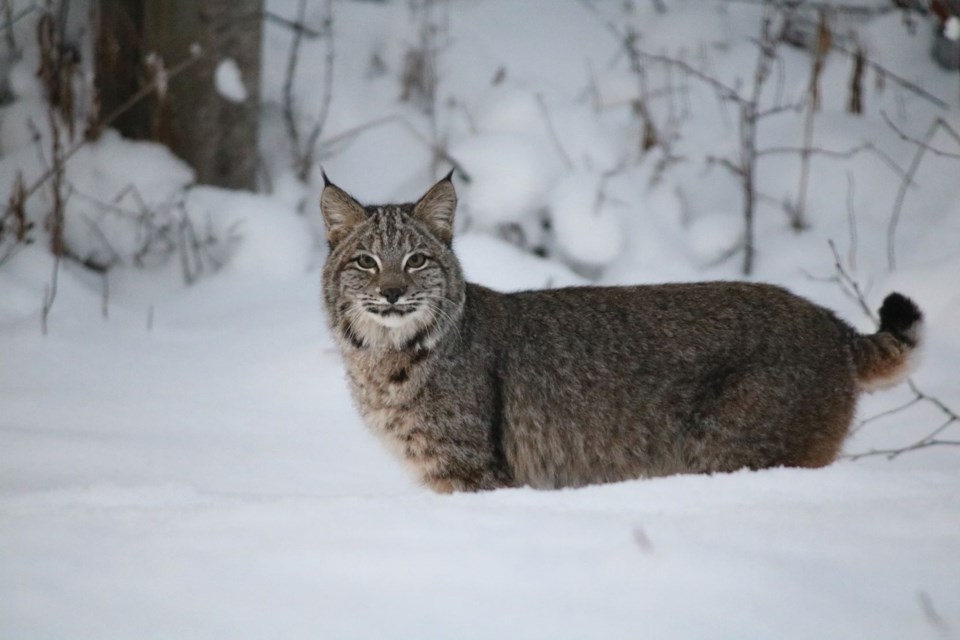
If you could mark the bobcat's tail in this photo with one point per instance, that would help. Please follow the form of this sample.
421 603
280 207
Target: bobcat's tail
888 356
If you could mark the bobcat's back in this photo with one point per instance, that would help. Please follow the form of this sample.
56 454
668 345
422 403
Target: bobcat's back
601 384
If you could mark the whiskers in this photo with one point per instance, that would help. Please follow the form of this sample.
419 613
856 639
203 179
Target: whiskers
352 323
374 324
445 317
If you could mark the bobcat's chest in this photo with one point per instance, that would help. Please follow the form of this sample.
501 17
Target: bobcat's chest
385 380
389 391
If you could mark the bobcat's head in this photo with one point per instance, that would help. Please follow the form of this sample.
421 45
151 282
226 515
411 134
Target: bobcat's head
391 279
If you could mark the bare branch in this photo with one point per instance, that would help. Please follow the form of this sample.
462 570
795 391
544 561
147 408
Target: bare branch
553 132
902 192
726 92
922 443
345 137
851 221
778 109
930 613
932 400
326 97
304 151
438 150
297 26
865 147
943 124
822 45
727 164
827 4
850 285
10 19
883 414
292 59
903 82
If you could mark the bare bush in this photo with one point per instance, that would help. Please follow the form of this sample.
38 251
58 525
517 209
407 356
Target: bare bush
304 145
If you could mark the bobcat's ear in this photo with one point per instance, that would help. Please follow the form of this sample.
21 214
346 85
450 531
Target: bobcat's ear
435 209
341 212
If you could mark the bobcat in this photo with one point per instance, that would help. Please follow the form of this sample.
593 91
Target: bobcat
478 390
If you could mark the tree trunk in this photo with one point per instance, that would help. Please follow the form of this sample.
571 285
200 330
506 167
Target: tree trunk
214 134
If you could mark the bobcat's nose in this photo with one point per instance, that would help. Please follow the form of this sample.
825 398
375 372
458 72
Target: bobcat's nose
392 294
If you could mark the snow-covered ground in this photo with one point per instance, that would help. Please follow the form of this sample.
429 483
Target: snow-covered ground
184 461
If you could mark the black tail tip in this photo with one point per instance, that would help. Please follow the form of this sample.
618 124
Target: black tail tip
900 315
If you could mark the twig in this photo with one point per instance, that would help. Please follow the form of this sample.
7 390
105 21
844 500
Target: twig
932 400
840 155
305 151
438 150
292 58
347 135
49 295
777 109
827 4
943 124
798 216
902 194
553 132
296 26
105 296
11 19
725 92
922 443
327 96
850 285
884 414
353 132
727 164
851 221
903 82
930 613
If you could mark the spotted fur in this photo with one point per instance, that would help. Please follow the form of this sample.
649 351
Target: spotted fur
477 390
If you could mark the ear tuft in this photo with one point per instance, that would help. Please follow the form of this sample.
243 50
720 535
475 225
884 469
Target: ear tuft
341 213
436 208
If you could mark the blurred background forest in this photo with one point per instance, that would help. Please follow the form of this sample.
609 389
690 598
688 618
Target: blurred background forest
729 120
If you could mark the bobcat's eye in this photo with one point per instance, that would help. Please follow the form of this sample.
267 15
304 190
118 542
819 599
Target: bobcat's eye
416 261
366 261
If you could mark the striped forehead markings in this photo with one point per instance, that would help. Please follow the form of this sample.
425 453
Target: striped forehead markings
390 226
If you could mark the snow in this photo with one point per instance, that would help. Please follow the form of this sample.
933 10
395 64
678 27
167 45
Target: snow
184 460
229 82
712 235
504 267
265 237
587 230
951 28
499 191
